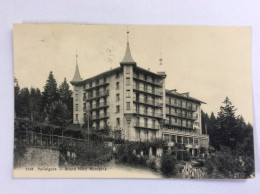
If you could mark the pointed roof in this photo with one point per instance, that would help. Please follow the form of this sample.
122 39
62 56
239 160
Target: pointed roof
128 57
77 77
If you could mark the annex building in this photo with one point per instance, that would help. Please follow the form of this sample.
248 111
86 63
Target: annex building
136 103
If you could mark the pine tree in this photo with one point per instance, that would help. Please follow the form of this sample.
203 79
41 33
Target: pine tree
17 100
58 113
24 96
34 103
226 125
50 93
66 97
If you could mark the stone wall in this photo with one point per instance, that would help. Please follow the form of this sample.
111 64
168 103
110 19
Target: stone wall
38 157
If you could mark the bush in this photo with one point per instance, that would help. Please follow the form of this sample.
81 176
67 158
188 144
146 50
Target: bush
125 154
152 164
186 156
168 163
226 163
87 154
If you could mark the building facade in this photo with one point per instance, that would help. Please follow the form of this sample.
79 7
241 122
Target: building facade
135 102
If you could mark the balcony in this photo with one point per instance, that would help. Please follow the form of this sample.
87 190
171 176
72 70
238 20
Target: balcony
148 91
100 116
192 133
148 113
148 102
178 124
178 114
96 106
99 84
147 126
178 105
98 95
155 82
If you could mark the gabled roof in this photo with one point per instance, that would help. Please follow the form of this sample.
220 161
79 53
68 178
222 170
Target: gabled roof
174 93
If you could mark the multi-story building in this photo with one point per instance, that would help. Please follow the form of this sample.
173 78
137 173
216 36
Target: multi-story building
134 101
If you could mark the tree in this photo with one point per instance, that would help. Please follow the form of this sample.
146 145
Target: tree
226 125
24 103
34 104
57 113
66 97
50 93
17 101
233 140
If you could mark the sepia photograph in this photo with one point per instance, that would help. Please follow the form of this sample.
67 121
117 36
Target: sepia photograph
132 101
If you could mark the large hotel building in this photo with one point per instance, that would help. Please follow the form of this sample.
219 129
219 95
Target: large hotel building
135 102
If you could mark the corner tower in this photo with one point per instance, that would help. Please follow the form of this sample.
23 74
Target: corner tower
128 64
77 95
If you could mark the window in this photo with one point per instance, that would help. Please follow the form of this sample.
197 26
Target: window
90 84
173 138
117 85
137 85
166 138
127 105
153 100
118 108
128 93
128 81
127 69
137 121
77 117
153 135
85 115
76 97
145 122
97 125
137 134
146 134
145 110
153 123
145 87
117 75
84 106
77 107
118 121
117 97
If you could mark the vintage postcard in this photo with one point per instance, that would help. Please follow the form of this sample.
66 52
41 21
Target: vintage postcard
118 101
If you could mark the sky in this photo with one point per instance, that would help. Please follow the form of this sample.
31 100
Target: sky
209 62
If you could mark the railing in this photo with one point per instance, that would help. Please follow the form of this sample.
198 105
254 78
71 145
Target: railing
100 83
30 138
96 106
155 82
148 113
150 91
100 116
150 102
181 133
146 125
97 95
192 108
178 114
